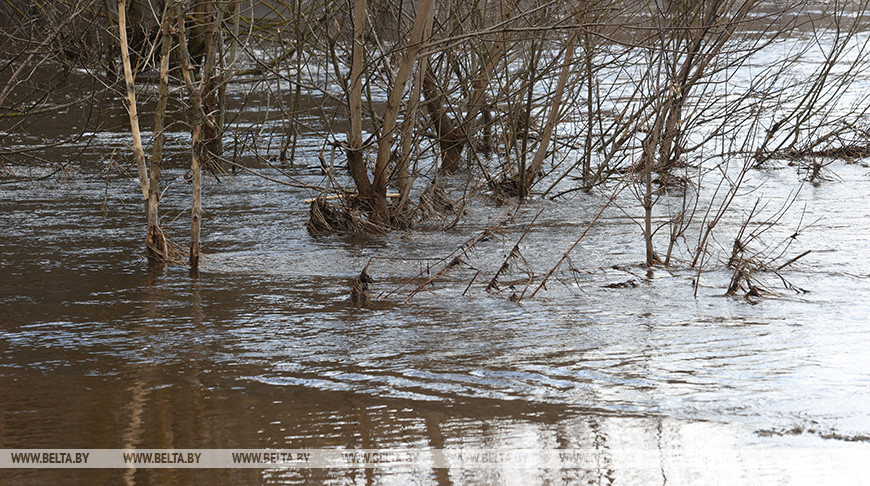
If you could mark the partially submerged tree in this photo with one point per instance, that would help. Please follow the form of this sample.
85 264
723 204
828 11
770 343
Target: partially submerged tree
501 94
157 246
203 96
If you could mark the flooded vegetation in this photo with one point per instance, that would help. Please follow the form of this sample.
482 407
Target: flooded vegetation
601 226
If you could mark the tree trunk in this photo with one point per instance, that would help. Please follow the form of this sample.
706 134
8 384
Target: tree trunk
209 83
650 144
410 122
590 112
450 139
156 241
477 99
201 122
552 118
380 213
523 179
138 152
196 212
356 163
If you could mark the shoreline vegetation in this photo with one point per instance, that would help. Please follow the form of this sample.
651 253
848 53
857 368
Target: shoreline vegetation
416 110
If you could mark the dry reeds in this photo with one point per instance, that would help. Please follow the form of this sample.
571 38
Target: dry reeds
343 217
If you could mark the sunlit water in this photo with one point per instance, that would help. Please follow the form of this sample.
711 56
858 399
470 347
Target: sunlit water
263 349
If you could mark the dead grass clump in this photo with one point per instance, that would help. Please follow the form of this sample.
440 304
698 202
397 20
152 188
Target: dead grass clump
158 247
346 216
434 200
347 213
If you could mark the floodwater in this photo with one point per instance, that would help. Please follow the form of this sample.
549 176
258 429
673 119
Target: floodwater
262 349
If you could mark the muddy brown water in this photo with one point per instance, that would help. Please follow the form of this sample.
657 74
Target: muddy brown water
99 349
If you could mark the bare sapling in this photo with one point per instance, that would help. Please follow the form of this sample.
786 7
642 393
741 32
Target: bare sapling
157 243
203 123
555 107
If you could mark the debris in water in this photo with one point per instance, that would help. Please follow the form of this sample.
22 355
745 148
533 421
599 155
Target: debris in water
359 292
628 284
